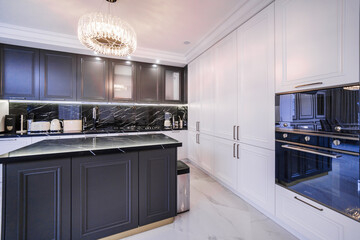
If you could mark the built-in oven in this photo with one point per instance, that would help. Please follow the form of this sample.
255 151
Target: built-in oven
317 147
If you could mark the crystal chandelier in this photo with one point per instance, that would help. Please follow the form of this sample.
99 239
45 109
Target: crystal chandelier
106 34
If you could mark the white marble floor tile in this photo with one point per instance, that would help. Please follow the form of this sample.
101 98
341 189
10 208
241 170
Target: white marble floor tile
216 214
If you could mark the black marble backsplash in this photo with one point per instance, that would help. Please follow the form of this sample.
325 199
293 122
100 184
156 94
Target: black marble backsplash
109 116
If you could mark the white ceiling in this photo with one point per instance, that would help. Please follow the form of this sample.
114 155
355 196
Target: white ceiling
161 25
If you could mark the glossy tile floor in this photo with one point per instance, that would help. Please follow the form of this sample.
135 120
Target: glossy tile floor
216 214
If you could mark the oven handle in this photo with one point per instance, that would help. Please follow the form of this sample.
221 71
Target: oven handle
308 150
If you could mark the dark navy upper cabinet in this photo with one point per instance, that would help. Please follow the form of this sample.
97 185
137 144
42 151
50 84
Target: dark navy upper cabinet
57 76
37 200
173 84
157 185
122 81
104 195
92 80
149 83
20 72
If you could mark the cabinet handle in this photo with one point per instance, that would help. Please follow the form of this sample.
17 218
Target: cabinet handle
234 132
237 150
234 150
309 84
198 138
320 209
197 126
237 130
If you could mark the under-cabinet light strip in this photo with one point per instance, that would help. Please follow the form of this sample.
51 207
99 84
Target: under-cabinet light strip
99 103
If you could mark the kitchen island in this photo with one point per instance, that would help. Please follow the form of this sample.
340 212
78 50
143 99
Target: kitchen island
89 188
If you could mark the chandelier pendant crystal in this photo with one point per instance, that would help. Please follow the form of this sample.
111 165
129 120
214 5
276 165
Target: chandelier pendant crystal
107 34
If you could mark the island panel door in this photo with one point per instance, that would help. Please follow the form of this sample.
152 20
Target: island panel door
37 200
104 195
157 185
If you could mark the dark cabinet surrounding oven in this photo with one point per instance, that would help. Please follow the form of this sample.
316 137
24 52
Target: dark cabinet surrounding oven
122 81
92 80
149 83
104 195
157 185
38 200
57 76
20 72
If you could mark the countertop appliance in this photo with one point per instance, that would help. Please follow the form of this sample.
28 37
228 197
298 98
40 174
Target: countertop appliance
72 126
40 127
55 125
11 123
167 120
317 147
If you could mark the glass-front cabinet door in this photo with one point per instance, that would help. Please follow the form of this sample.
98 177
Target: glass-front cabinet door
173 84
122 81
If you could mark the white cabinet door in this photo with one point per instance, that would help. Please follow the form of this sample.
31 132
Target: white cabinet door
309 221
317 43
256 176
193 95
256 107
225 161
193 147
207 150
181 136
225 94
206 67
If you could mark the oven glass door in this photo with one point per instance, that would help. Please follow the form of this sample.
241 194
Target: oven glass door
327 177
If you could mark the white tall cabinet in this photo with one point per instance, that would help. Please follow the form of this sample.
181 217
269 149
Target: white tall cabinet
235 137
317 43
256 109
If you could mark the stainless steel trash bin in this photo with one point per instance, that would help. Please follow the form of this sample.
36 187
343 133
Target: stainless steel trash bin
183 187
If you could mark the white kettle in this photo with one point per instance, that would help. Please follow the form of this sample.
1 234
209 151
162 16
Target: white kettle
55 125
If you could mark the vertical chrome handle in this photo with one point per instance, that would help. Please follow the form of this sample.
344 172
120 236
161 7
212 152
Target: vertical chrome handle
237 150
198 138
234 150
197 126
237 130
234 132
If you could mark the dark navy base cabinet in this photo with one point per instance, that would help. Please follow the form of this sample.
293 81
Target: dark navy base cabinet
38 200
157 185
88 197
104 195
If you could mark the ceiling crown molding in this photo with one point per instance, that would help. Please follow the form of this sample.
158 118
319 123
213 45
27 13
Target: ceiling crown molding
30 37
242 13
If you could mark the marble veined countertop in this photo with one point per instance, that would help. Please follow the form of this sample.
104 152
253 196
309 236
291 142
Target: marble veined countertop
89 146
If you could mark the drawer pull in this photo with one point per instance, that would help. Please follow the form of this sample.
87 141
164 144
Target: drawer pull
309 84
320 209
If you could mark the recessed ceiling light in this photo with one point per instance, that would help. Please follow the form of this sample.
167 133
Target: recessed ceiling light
128 57
187 42
154 65
127 62
157 61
